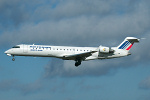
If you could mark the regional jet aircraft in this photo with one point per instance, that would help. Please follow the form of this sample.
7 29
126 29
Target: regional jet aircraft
78 54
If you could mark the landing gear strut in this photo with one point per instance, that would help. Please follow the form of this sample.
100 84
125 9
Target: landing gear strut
77 63
13 59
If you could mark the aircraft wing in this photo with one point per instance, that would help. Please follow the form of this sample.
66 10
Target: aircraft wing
81 56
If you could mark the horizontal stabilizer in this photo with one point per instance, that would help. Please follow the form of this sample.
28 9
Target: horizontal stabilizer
133 39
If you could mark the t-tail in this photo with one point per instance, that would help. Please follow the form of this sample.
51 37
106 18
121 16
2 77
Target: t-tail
128 43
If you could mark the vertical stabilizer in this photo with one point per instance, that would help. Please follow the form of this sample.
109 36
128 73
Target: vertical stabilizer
128 43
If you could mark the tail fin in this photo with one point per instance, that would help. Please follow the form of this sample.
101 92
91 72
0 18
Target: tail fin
128 43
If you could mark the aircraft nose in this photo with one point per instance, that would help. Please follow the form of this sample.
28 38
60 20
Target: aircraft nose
6 52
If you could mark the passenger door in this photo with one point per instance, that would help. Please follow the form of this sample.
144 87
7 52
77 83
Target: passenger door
25 48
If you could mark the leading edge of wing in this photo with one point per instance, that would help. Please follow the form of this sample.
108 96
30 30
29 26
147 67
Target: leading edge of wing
79 55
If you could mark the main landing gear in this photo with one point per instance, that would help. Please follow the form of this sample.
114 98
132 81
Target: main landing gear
77 63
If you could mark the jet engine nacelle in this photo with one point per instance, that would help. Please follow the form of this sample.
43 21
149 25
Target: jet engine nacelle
105 49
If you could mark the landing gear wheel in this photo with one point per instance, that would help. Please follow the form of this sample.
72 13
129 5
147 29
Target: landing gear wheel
13 59
77 63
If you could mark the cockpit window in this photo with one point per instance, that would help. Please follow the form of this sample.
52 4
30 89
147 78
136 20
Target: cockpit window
16 47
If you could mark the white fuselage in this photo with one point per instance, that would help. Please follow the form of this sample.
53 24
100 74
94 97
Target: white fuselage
61 51
78 54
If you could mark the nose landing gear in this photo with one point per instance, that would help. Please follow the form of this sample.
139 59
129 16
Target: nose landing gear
13 59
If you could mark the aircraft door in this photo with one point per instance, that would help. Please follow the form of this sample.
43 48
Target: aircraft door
25 48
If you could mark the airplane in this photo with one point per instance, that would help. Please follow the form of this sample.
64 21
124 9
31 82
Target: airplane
78 54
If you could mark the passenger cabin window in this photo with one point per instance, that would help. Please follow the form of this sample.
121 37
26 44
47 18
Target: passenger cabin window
16 47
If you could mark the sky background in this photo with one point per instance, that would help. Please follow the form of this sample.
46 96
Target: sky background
75 23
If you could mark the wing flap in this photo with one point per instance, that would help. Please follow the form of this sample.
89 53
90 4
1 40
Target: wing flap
79 55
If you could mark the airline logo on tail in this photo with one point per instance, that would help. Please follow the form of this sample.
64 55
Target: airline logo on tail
126 45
